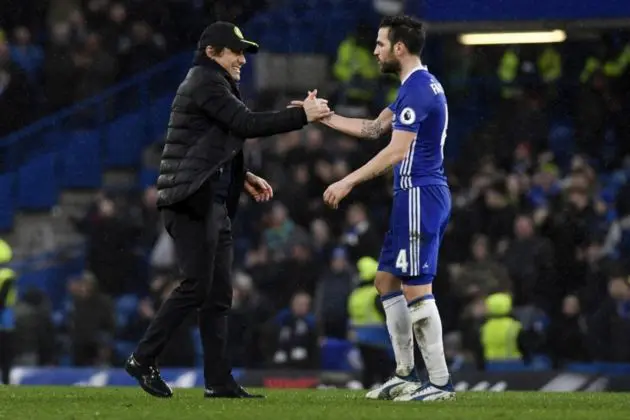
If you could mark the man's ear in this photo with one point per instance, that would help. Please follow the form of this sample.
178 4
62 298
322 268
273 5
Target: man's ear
212 52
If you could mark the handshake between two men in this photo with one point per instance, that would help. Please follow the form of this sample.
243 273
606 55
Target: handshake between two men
316 109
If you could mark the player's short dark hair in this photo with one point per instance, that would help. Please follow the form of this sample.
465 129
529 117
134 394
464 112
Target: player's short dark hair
406 29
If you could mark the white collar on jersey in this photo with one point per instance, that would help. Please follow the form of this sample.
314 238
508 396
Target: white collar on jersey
413 70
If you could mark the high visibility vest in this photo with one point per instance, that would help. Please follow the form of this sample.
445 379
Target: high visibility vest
550 65
361 308
508 67
367 324
618 66
611 68
507 73
499 339
8 294
7 280
353 59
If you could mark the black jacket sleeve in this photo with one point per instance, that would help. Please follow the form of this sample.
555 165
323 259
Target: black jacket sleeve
215 97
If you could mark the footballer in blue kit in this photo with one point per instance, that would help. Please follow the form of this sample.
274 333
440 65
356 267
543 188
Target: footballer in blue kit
418 120
422 202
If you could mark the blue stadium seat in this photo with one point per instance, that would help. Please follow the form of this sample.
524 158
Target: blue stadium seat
334 355
49 281
274 38
148 177
125 307
55 140
52 280
38 187
301 39
541 362
608 368
124 348
257 26
160 111
81 165
65 360
124 140
7 201
561 142
507 366
587 368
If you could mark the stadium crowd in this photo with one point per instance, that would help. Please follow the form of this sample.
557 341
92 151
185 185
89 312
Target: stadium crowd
541 212
54 53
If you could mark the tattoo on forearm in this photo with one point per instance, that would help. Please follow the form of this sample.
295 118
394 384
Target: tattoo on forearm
371 129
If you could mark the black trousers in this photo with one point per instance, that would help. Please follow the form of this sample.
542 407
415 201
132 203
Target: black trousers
204 251
6 355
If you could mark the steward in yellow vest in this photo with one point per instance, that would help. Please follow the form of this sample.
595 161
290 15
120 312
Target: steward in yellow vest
8 295
500 334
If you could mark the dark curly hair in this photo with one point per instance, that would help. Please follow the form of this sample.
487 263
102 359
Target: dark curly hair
406 29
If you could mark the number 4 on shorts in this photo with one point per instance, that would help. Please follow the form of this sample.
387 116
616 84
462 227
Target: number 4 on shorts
401 261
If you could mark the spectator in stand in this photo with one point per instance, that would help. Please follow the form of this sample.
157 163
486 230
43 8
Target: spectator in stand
111 240
529 262
482 274
90 322
333 289
35 335
15 94
59 69
282 233
610 326
360 237
250 311
295 336
115 29
145 50
568 334
96 68
28 56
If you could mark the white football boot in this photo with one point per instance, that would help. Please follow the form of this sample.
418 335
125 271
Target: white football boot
429 392
395 386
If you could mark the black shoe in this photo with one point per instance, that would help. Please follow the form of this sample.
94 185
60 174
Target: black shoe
149 378
229 391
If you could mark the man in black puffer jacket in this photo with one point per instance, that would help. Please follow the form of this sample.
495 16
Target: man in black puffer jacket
202 175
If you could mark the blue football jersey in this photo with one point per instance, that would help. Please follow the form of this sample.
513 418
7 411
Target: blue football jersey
421 108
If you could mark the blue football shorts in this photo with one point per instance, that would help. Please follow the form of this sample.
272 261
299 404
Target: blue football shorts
417 224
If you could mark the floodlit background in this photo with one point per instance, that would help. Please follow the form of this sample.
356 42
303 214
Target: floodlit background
537 156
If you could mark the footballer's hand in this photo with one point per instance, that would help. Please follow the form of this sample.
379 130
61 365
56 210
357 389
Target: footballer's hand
258 188
337 192
300 104
315 108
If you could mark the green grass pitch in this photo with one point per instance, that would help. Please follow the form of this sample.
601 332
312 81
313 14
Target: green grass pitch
74 403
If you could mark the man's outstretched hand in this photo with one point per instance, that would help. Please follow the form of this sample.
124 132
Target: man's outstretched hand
315 108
